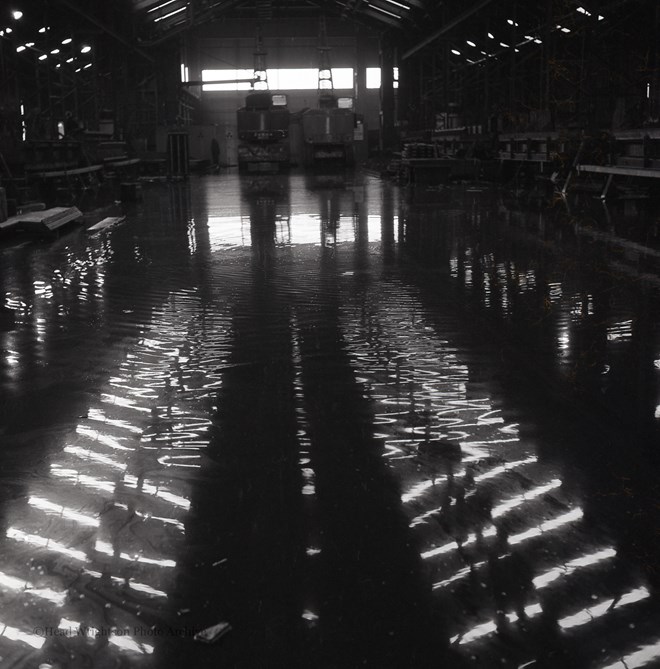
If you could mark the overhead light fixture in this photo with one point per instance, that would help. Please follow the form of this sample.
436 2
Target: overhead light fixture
456 52
29 44
86 66
17 14
511 22
68 40
8 30
69 60
538 41
582 10
85 48
54 51
491 35
78 70
601 18
470 43
506 46
20 48
43 29
43 57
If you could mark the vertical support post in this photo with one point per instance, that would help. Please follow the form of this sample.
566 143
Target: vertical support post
387 96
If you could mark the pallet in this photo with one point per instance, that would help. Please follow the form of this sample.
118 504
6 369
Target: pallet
49 220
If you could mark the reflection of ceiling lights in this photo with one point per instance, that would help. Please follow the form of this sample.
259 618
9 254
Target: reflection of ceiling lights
17 15
68 40
43 30
20 48
85 49
54 51
43 57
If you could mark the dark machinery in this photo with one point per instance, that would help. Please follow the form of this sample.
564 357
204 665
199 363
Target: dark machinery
263 133
329 130
328 133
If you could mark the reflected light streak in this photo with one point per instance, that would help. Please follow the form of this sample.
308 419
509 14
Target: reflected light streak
141 587
115 400
519 500
63 511
458 575
640 658
28 588
126 643
549 525
446 548
82 479
98 416
14 634
488 628
107 549
43 542
496 471
148 516
86 454
566 570
101 438
587 615
132 482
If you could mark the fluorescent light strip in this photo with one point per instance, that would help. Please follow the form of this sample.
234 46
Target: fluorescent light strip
398 4
164 4
167 16
384 11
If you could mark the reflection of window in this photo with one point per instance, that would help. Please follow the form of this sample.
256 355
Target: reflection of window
278 80
373 77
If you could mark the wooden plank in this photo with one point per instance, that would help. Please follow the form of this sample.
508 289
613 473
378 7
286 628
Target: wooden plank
70 173
106 223
621 170
48 220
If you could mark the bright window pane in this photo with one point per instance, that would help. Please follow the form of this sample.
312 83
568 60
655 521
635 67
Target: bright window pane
279 80
373 77
221 75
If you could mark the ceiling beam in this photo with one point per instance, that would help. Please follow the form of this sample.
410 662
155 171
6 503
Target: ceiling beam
105 29
446 28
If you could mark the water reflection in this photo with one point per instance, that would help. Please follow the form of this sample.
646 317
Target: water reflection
253 411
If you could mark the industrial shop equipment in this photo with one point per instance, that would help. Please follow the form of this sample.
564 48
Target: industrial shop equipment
263 123
329 131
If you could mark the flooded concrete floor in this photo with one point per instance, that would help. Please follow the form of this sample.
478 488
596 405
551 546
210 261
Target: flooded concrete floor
365 427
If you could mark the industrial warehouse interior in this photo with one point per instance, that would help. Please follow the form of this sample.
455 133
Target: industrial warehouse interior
329 334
